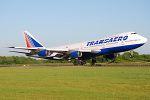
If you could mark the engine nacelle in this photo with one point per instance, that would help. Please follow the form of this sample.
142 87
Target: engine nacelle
44 53
111 56
76 54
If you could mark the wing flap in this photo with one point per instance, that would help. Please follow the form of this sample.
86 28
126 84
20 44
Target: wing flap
85 50
90 51
58 50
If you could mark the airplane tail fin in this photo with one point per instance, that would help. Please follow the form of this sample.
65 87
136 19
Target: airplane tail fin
30 40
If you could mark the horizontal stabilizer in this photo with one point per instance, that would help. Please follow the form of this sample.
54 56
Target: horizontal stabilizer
20 52
26 48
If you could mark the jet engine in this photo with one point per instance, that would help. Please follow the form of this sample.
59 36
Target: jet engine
76 54
111 56
44 53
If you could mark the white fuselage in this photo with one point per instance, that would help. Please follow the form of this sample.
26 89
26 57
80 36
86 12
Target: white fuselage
125 41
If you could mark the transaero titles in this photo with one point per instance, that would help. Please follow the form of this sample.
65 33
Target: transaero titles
115 39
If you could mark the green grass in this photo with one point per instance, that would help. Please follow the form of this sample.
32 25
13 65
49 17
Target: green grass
75 83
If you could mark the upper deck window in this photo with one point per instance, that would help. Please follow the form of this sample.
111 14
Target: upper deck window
133 33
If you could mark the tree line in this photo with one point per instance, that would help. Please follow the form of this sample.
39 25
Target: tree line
125 57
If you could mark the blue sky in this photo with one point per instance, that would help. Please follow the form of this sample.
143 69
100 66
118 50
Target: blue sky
60 22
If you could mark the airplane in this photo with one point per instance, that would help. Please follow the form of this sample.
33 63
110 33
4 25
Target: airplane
108 47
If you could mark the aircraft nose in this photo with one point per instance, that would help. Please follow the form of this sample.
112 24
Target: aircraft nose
144 40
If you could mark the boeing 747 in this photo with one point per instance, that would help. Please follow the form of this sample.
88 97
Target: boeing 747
108 47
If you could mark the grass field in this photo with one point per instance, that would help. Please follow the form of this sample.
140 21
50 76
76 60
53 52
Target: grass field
75 83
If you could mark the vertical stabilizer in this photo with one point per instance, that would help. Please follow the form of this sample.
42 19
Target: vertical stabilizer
30 40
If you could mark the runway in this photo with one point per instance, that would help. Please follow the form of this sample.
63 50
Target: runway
74 66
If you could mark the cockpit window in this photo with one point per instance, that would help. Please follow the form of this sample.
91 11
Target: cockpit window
133 33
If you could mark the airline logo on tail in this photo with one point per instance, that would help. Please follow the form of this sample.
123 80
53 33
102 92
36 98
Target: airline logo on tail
31 41
28 41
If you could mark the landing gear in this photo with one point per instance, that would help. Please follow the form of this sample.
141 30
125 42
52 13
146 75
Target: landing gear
93 62
82 63
131 56
79 62
76 62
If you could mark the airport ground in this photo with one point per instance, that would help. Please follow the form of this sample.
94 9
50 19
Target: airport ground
75 83
88 64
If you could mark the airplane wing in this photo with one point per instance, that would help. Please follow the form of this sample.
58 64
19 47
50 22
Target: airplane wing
53 50
37 49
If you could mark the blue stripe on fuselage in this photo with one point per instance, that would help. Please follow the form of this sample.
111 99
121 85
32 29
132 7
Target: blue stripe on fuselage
107 51
113 50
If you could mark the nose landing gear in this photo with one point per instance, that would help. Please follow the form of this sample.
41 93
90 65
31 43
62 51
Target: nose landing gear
131 56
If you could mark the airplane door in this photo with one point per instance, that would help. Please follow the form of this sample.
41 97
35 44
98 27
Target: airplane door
81 46
103 45
122 42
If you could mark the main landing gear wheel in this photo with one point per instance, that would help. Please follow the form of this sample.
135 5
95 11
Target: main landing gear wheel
79 62
93 62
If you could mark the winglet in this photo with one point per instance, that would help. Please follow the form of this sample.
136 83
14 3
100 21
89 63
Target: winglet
30 40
